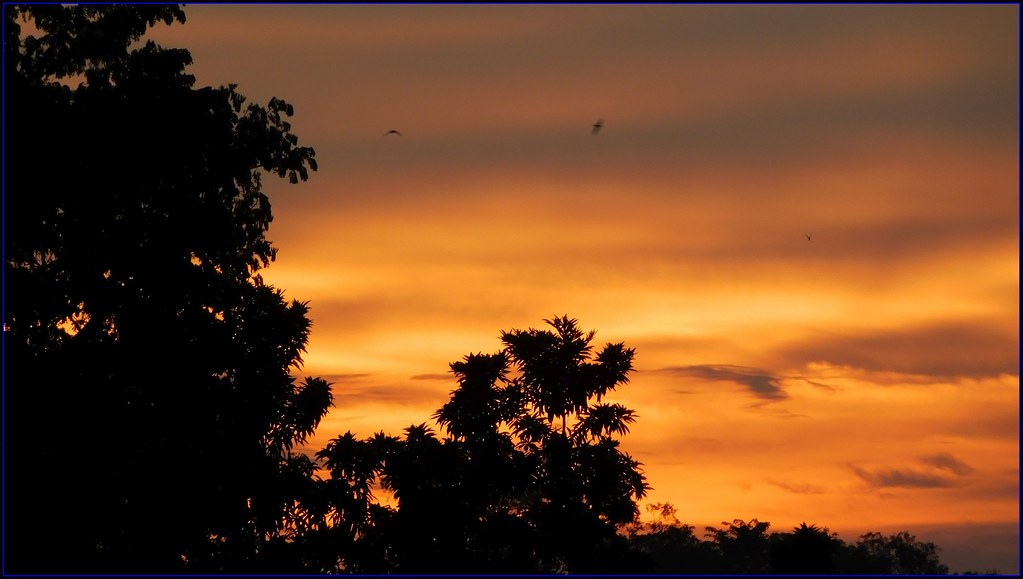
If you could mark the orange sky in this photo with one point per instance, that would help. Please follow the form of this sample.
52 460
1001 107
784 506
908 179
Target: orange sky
867 379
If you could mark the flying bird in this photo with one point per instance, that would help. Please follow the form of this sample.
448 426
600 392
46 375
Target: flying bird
392 132
808 235
597 126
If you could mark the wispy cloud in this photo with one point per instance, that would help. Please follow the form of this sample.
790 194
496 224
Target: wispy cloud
899 477
343 378
817 384
941 471
432 377
981 348
759 382
355 390
798 488
948 462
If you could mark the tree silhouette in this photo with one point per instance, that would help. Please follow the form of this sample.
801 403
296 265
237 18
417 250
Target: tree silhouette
808 549
743 545
586 486
900 554
149 410
530 477
672 546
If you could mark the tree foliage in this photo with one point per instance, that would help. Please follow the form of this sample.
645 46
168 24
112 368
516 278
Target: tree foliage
530 477
900 553
150 412
747 547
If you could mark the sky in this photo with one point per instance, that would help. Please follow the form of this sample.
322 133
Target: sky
805 219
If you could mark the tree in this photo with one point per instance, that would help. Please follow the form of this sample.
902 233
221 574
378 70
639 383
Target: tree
587 486
530 477
898 554
149 410
743 545
808 549
672 546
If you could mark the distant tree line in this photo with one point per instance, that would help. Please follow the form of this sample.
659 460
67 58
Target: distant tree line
151 415
746 547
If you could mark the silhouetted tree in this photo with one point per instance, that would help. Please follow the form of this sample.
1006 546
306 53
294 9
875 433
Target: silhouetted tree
586 487
898 554
808 549
746 547
530 477
673 547
743 545
149 411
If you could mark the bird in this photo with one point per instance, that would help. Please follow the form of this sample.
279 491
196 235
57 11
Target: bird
597 126
808 235
392 132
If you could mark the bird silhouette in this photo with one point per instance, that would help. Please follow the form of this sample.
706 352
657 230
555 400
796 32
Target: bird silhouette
597 126
808 235
392 132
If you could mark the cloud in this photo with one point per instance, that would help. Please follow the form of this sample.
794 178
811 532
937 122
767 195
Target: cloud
798 488
446 377
776 412
817 384
757 381
338 378
948 462
935 476
897 477
985 348
355 390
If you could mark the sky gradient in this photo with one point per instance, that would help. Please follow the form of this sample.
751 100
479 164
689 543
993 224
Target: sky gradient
864 379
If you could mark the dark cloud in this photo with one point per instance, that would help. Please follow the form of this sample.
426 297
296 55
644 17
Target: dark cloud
817 384
999 422
898 477
798 488
987 348
758 382
948 462
940 466
764 406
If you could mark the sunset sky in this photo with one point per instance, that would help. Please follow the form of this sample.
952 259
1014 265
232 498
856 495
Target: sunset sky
864 379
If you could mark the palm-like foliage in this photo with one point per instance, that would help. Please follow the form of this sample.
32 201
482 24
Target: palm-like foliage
507 489
480 403
356 462
602 421
807 549
557 374
531 432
